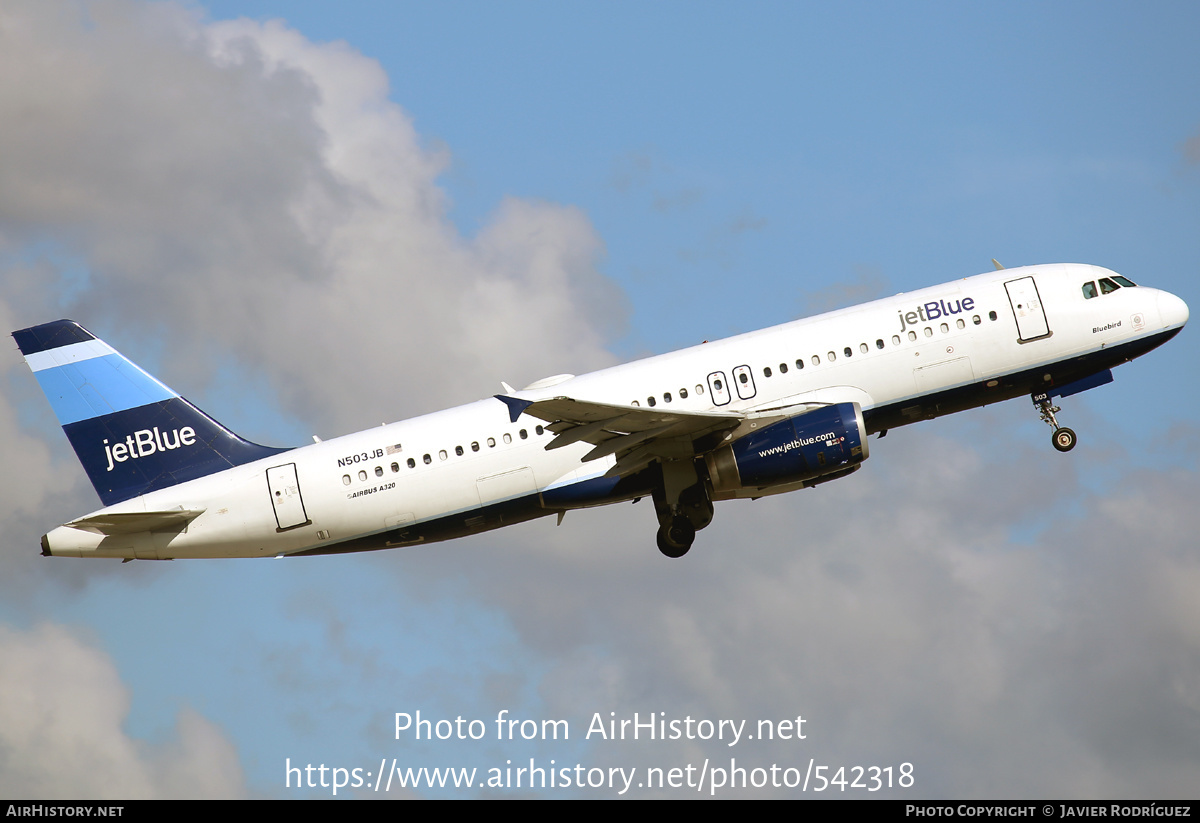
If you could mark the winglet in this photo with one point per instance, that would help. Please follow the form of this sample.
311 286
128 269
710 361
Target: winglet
996 263
515 406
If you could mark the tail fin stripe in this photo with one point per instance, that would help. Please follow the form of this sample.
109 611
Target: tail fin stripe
97 386
72 353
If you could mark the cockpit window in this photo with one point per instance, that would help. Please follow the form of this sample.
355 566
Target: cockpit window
1108 285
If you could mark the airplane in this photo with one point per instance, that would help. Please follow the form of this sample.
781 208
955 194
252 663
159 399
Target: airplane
770 411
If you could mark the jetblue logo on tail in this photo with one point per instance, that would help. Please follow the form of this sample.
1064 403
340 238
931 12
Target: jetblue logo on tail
145 442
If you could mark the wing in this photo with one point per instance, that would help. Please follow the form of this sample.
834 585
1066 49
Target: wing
636 436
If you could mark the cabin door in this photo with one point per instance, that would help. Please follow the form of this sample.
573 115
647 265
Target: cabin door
1027 308
285 497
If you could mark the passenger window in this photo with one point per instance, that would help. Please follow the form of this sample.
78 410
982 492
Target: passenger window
427 459
346 479
864 348
507 438
475 446
683 394
799 363
412 464
699 389
1089 290
717 385
976 320
830 356
816 359
895 340
666 397
849 352
379 471
634 403
879 343
783 368
745 378
912 335
395 468
458 450
491 442
766 372
442 454
928 332
1107 286
539 429
524 434
962 324
991 315
362 475
945 328
650 401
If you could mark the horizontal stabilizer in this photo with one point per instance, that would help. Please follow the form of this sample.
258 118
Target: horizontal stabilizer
130 522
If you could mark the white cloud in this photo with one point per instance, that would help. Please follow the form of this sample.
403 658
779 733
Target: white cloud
254 198
62 709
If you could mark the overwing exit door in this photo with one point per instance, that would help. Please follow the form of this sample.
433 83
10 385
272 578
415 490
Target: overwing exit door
718 389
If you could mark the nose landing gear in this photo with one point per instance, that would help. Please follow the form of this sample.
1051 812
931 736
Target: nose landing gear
1063 438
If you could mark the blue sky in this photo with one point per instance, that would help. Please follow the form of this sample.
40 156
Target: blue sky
309 219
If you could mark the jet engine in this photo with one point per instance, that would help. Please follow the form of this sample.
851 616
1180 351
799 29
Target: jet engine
797 451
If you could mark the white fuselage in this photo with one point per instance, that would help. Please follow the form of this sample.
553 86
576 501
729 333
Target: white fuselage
904 358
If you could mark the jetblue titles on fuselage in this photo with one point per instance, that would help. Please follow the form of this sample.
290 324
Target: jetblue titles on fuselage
934 310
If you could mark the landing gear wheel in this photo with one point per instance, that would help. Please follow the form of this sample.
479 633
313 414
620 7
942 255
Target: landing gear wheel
676 539
1064 439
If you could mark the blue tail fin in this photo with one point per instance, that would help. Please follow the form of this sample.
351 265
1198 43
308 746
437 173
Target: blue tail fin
132 434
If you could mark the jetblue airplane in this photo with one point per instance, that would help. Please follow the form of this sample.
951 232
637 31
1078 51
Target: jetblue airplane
771 411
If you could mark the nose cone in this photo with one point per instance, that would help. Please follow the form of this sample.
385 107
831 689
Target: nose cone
1174 312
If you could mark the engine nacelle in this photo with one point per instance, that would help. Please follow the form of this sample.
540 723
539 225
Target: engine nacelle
831 439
